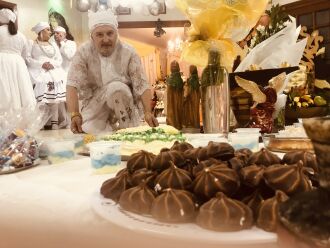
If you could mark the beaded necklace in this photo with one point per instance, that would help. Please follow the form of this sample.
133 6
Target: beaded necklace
49 54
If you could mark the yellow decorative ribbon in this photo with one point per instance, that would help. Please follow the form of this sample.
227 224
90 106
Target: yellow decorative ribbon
219 24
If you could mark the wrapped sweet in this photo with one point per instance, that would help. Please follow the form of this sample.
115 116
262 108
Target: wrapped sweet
268 212
174 206
174 178
308 159
222 151
142 175
236 163
206 163
252 175
114 187
122 171
264 157
139 160
216 178
192 154
181 146
290 179
202 154
254 201
241 158
224 214
163 159
138 199
243 154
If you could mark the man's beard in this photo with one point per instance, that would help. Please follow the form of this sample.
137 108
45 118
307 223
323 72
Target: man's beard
106 50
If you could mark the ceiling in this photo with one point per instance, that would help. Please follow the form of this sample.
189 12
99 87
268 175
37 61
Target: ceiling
146 35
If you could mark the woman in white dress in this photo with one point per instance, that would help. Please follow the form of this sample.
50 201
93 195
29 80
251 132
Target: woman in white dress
15 85
47 75
68 49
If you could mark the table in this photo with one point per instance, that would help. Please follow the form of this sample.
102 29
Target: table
48 206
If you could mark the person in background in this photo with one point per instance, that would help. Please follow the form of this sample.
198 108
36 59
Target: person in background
67 47
108 77
45 67
15 85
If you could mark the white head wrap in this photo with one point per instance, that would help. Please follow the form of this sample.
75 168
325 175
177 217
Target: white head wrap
40 26
6 15
103 17
59 29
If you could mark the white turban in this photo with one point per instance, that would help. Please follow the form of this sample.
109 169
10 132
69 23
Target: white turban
103 17
40 26
59 29
6 15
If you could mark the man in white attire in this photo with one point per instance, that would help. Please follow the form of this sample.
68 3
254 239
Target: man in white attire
109 78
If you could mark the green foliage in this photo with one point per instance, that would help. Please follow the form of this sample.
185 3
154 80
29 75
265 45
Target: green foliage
213 73
175 80
278 21
193 81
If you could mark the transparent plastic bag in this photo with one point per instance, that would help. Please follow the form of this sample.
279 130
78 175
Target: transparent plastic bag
18 147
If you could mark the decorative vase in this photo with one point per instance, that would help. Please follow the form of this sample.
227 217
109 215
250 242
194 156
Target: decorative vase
215 96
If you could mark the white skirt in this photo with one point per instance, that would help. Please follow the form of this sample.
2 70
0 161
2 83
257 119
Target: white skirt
15 85
50 86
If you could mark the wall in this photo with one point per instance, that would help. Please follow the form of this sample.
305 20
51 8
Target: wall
171 15
30 12
141 48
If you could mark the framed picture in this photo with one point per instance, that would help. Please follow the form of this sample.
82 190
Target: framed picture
157 8
162 8
123 10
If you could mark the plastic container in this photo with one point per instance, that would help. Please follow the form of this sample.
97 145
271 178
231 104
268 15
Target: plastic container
105 156
244 140
202 140
60 151
248 130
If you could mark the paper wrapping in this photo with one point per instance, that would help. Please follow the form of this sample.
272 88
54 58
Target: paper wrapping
219 24
284 43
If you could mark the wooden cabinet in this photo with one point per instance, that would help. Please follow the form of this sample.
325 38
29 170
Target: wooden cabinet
315 14
8 5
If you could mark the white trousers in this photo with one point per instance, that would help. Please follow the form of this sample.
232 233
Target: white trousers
111 108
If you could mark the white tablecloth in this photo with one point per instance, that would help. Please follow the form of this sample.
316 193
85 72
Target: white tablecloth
49 206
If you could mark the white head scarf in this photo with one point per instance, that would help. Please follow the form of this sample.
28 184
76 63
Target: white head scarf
6 15
103 17
40 26
59 29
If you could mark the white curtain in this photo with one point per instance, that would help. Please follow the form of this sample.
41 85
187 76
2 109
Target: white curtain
149 63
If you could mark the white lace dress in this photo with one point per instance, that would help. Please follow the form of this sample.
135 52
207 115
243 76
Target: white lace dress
15 85
50 86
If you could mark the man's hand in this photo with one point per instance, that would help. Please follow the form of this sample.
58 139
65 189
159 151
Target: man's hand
76 123
150 119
